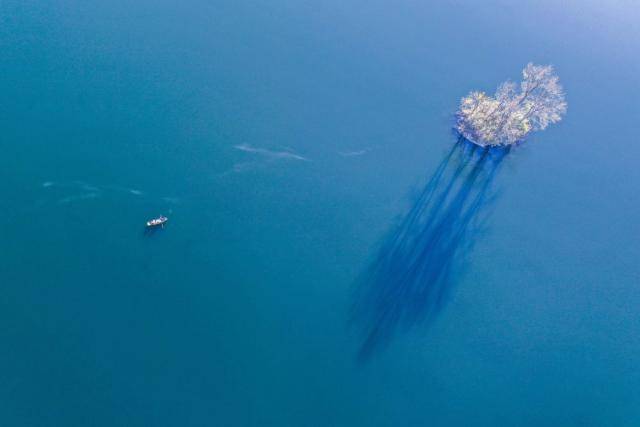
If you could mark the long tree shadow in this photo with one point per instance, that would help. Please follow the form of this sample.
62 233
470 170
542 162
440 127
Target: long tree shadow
413 271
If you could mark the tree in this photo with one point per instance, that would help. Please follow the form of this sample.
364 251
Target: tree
418 263
511 114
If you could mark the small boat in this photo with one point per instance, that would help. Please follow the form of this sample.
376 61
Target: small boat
157 221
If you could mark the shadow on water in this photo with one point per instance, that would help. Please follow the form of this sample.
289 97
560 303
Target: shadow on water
151 231
412 274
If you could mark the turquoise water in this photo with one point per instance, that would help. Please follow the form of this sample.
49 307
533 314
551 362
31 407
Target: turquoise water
284 140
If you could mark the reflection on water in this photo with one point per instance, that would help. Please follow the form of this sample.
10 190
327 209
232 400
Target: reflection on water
411 275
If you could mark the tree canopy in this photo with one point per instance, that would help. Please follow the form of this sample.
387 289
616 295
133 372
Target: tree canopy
513 112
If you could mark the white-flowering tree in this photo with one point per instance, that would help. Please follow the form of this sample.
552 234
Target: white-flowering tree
513 112
411 276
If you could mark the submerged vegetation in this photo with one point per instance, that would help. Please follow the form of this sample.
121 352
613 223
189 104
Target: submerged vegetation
411 275
512 113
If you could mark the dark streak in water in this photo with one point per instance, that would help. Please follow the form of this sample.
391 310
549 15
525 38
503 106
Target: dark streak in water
412 274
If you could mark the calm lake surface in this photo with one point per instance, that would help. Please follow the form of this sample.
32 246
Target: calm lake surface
284 139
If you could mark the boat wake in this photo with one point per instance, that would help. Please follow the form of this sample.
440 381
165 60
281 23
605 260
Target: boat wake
91 191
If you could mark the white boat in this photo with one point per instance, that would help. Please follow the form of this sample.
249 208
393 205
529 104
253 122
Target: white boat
157 221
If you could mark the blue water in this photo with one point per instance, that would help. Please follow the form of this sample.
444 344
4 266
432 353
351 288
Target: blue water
284 140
